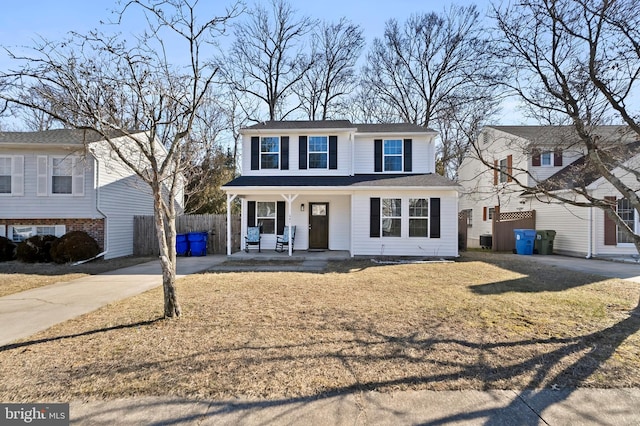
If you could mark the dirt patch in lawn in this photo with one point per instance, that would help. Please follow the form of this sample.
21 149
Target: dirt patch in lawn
18 276
491 322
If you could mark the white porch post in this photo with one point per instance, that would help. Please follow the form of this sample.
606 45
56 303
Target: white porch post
230 198
290 198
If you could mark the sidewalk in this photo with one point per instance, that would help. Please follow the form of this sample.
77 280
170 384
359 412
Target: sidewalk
546 407
26 313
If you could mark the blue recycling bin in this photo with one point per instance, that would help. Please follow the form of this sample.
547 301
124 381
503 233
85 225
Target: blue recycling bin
525 239
182 245
197 243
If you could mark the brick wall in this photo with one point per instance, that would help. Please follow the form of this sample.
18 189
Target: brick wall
93 227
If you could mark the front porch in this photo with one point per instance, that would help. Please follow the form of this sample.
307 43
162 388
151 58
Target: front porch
296 256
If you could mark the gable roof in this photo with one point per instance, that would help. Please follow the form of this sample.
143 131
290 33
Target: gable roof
55 137
554 134
356 181
340 124
582 174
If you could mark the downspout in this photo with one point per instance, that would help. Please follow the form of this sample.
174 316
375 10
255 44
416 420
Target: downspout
105 233
590 234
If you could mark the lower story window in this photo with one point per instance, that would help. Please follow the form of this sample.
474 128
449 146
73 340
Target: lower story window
391 217
266 216
627 214
20 233
418 217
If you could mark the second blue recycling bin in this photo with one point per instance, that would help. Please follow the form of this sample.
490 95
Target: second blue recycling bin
525 239
197 243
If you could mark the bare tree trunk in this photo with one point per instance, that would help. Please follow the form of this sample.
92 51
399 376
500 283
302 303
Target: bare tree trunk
167 256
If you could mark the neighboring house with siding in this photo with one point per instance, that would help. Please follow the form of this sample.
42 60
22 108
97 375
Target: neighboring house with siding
545 155
57 181
369 189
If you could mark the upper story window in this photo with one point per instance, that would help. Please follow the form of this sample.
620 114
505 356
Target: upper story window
270 152
392 155
503 170
5 175
318 152
11 175
62 175
546 158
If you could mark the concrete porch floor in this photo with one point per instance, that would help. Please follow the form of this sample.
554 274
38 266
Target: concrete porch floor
297 255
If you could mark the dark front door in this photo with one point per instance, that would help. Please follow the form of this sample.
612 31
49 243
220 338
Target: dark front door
318 225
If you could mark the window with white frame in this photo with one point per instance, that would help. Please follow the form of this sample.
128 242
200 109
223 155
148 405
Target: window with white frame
266 216
318 152
5 175
469 213
391 217
270 152
546 158
18 233
392 155
491 211
62 175
504 165
418 217
627 213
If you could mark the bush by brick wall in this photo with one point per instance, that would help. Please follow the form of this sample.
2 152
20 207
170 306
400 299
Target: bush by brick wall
93 227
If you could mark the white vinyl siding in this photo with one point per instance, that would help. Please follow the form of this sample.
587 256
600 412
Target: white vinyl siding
422 153
446 245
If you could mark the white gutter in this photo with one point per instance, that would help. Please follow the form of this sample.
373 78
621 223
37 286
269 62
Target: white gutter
590 234
106 221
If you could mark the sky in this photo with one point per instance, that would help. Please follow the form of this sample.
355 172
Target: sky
24 21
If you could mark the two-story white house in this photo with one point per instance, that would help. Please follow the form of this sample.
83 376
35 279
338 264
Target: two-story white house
57 181
369 189
540 155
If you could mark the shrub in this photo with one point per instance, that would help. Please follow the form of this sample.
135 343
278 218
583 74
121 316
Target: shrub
7 249
74 246
36 249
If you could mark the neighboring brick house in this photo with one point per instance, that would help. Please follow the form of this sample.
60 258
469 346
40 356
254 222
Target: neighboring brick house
51 183
370 189
546 155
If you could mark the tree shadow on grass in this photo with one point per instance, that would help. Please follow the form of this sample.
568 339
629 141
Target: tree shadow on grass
590 351
84 333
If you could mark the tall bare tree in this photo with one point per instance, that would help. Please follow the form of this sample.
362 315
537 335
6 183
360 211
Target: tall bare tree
99 82
432 69
270 56
332 77
578 63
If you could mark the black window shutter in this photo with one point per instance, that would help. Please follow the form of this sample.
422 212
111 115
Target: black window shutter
377 152
407 155
280 217
374 225
255 153
251 213
333 152
284 152
434 210
302 152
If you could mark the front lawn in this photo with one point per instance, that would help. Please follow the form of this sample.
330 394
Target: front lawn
490 322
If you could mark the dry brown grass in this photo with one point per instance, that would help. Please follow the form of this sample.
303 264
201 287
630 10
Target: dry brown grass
486 323
19 276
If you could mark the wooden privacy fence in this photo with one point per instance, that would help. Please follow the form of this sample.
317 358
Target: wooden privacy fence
145 241
505 223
